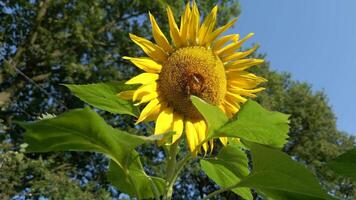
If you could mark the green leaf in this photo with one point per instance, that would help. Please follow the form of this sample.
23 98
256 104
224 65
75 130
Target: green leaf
277 176
212 114
256 124
143 184
85 130
104 96
227 168
79 130
345 164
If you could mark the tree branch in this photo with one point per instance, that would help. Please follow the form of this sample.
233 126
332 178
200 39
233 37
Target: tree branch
30 40
112 23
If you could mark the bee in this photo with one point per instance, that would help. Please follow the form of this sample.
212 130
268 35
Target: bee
194 84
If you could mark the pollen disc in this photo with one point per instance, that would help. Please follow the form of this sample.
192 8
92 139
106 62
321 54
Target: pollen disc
192 71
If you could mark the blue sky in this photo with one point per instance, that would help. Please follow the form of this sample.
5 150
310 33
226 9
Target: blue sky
314 40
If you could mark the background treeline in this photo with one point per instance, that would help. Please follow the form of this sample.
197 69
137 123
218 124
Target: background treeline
44 44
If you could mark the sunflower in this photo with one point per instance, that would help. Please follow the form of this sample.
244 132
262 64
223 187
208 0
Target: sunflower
198 62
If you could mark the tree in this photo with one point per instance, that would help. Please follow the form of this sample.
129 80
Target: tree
25 177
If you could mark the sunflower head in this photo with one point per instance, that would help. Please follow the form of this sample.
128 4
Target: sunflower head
192 71
197 62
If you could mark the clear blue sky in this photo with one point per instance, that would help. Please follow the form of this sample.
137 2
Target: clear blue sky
314 40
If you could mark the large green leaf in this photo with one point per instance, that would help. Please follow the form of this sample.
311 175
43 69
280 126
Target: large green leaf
85 130
253 123
143 184
80 130
277 176
256 124
212 114
104 96
227 168
345 164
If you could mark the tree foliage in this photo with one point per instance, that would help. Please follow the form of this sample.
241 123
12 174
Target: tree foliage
22 176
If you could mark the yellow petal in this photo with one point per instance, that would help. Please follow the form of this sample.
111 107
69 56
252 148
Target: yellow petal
153 51
155 112
223 140
126 95
231 108
164 121
148 97
184 25
233 46
192 136
243 79
235 97
226 110
148 110
223 40
146 64
220 30
211 146
235 101
200 127
173 28
144 90
207 26
222 107
144 78
239 55
193 24
177 127
243 64
245 92
159 37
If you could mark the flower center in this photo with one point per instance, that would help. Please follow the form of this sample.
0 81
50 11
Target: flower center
192 71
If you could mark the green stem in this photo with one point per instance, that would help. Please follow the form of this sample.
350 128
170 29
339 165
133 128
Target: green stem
180 166
170 170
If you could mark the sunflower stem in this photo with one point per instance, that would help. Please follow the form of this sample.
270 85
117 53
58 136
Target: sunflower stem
171 170
180 165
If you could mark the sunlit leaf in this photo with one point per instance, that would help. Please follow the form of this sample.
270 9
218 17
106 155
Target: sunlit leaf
79 130
85 130
104 96
275 175
227 168
144 185
212 114
252 123
256 124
